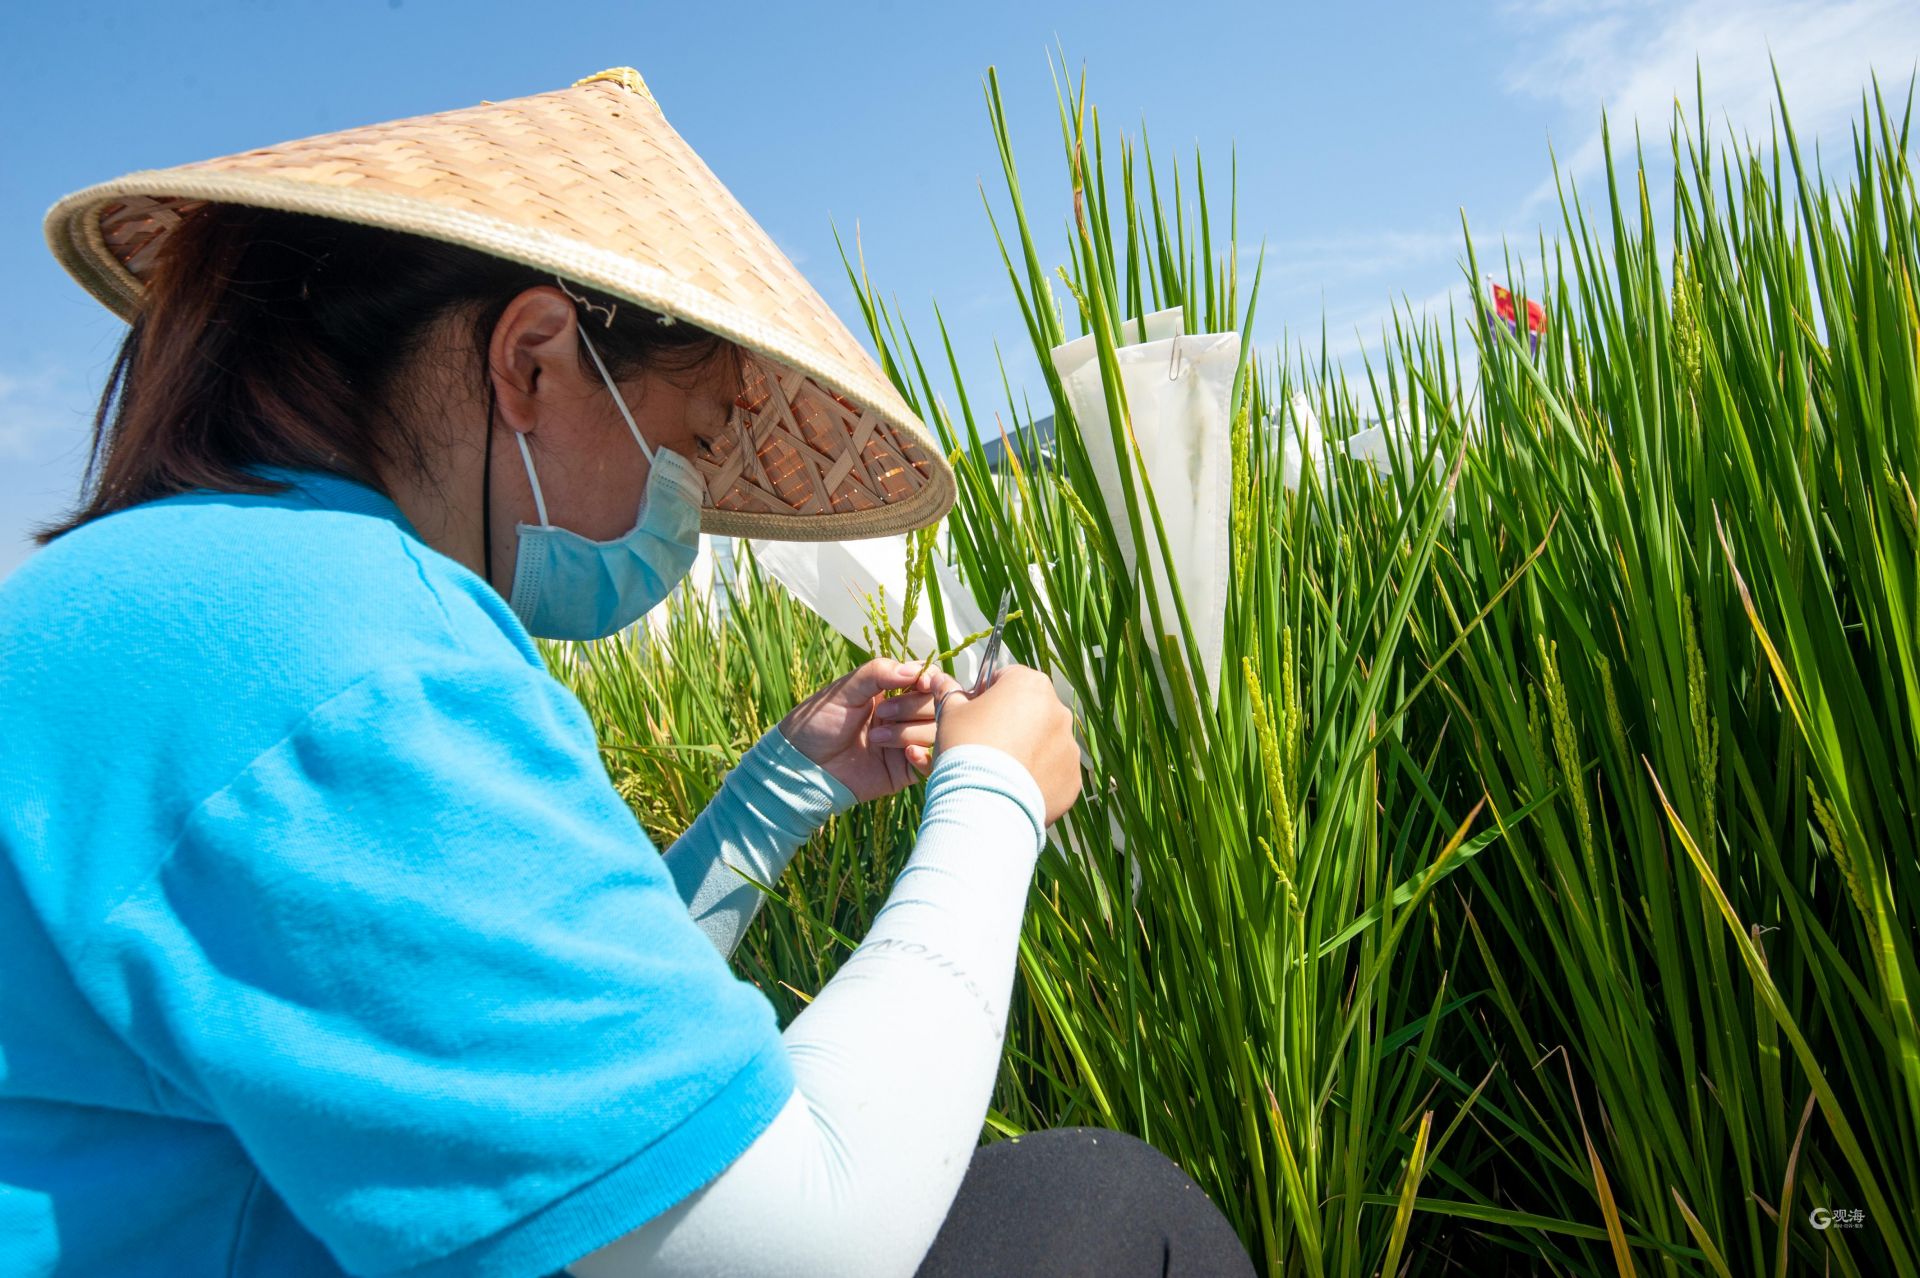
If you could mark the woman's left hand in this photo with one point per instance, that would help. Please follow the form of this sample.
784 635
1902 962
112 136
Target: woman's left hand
873 744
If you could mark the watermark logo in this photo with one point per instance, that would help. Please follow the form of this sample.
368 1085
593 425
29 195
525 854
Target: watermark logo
1837 1217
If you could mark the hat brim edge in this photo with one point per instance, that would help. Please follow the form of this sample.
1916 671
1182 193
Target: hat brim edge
73 233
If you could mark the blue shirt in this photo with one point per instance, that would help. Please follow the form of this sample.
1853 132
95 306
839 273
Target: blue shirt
325 943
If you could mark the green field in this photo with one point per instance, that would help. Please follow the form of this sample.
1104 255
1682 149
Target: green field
1535 895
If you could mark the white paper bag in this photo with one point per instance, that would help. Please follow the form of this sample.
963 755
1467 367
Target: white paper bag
1300 443
837 579
1374 445
707 584
1178 391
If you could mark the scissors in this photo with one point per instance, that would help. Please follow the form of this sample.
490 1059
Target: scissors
989 658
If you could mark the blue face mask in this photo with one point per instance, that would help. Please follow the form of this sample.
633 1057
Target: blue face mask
566 586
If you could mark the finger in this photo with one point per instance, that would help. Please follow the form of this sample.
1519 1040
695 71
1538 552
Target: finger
1012 670
913 705
999 672
908 705
919 758
882 674
901 735
892 764
939 681
948 699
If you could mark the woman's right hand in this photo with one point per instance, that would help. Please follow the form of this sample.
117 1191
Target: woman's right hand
1019 714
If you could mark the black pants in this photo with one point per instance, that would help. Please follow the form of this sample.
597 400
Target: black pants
1074 1201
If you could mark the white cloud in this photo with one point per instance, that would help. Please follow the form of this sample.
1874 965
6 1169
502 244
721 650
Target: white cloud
44 428
38 414
1637 59
1362 330
1356 255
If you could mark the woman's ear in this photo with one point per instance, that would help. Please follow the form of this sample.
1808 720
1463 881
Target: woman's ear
533 357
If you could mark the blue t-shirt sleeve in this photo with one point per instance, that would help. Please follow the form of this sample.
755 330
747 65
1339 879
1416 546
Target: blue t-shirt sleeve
423 963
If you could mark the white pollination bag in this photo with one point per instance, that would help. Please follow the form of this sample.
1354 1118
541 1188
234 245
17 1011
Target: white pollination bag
1178 391
1300 444
1304 447
708 584
842 581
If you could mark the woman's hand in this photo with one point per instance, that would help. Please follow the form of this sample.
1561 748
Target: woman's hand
1020 713
872 746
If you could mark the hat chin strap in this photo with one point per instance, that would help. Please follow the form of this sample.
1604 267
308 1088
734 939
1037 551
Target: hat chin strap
618 401
605 376
526 454
486 495
626 414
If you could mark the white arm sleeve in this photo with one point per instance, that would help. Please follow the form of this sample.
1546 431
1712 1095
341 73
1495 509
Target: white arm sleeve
893 1064
770 804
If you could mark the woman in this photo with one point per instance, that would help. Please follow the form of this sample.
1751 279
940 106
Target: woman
327 945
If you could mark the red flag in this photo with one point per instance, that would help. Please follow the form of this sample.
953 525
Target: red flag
1504 308
1503 305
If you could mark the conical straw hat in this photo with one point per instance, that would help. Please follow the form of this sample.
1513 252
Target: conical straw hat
590 183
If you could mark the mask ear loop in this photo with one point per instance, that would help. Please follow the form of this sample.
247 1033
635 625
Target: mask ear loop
539 502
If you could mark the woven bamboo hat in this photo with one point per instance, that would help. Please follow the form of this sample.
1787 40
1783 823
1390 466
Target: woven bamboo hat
590 183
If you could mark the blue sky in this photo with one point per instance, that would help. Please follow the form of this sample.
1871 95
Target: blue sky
1362 131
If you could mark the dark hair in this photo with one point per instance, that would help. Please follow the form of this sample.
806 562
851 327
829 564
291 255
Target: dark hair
275 339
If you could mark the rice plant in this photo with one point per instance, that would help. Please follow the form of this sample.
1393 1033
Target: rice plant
1255 1009
1535 892
1713 660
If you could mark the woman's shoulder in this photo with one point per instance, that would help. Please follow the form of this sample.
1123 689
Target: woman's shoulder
151 658
233 616
278 579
